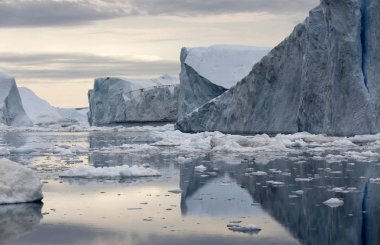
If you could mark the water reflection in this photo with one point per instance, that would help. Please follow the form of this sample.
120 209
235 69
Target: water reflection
18 220
304 215
293 193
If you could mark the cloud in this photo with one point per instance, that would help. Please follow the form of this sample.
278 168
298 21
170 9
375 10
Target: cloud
25 13
66 66
39 13
215 7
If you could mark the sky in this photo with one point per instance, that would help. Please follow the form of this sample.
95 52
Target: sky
58 47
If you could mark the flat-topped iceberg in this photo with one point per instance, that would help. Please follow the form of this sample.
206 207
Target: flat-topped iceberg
122 100
207 72
321 79
18 184
11 110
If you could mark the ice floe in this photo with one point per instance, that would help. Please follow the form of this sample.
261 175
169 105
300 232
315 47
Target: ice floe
334 202
18 184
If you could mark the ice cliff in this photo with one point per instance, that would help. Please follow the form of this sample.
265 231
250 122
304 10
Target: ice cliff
121 100
321 79
208 72
11 110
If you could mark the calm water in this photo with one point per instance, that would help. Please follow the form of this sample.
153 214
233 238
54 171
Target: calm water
143 211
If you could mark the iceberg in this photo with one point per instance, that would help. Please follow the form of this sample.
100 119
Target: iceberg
42 113
18 184
120 100
208 72
322 79
11 110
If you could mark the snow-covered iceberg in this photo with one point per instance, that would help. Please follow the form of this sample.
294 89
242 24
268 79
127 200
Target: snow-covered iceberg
11 110
18 184
121 100
208 72
42 113
321 79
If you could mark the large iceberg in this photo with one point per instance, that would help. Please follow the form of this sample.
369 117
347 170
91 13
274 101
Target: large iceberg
11 110
121 100
208 72
18 184
321 79
42 113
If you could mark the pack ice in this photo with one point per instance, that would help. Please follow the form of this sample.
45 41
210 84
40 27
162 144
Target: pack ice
207 72
121 100
11 110
321 79
18 184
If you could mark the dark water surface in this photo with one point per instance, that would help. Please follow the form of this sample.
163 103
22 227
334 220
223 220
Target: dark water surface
143 211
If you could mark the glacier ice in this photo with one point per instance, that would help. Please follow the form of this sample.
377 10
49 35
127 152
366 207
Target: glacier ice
208 72
121 100
321 79
18 184
11 110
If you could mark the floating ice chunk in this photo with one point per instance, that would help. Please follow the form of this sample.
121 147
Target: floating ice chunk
200 168
303 179
299 192
260 173
334 202
276 183
22 150
251 229
62 151
78 150
375 180
110 172
175 191
18 184
4 151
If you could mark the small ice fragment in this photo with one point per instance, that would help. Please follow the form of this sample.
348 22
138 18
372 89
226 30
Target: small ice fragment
303 179
175 191
272 182
375 180
334 202
200 168
4 151
259 173
299 192
250 229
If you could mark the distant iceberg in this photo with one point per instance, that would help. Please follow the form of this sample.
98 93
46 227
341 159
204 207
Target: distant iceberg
12 112
122 100
41 113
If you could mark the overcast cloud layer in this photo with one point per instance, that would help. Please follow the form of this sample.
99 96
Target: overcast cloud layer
24 13
63 66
